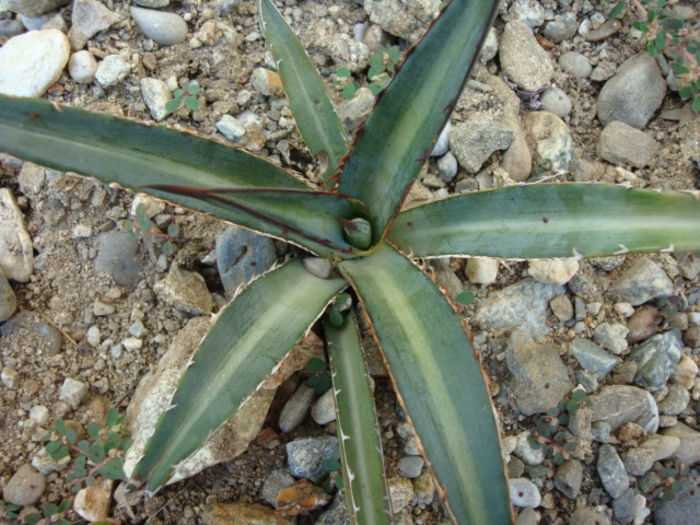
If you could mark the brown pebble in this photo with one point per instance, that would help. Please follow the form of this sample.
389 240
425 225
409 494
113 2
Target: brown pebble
642 324
691 337
609 28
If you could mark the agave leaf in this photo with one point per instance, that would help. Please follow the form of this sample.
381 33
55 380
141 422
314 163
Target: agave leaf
134 155
248 340
551 220
399 134
314 113
366 492
439 381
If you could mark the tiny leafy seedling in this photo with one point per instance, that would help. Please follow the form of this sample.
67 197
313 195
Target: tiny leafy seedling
382 66
139 227
186 95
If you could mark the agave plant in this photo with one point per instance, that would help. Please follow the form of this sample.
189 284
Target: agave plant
355 227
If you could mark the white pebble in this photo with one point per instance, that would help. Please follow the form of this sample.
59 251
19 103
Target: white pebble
155 94
82 231
482 270
524 493
82 66
92 336
72 392
230 127
112 70
132 343
160 26
39 413
624 309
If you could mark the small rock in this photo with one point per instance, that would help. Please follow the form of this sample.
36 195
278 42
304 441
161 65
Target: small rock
353 112
688 451
552 271
155 94
549 138
481 270
112 70
447 167
8 300
33 61
611 336
317 266
489 49
521 305
612 471
525 451
132 343
473 141
618 404
92 503
588 516
337 512
395 18
442 145
16 250
93 335
100 309
73 392
242 254
39 414
561 307
691 337
82 66
568 478
306 456
642 324
230 127
685 372
593 358
400 492
162 27
150 206
601 73
529 11
522 58
639 460
563 27
186 291
32 8
241 513
212 32
684 507
410 466
630 506
539 377
9 377
25 487
575 64
524 493
275 482
267 82
296 408
323 410
634 94
556 101
88 18
657 357
623 144
44 463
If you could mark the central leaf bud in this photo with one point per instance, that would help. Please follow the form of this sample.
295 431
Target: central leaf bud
358 232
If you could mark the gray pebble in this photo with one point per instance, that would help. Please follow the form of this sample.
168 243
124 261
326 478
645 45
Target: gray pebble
160 26
230 127
323 410
684 508
9 377
539 377
25 487
554 148
643 281
612 471
524 493
634 94
447 167
676 401
306 456
88 18
556 101
618 404
317 266
563 27
354 111
112 70
601 73
276 481
593 358
657 357
155 94
622 144
153 4
33 7
490 47
10 27
442 144
410 466
639 460
529 11
575 64
568 478
611 336
473 141
689 448
629 505
561 307
242 254
296 408
588 516
336 513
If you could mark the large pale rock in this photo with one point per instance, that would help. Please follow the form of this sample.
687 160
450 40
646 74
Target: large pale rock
31 8
185 290
33 61
155 391
620 143
618 404
688 450
160 26
16 255
403 18
89 17
552 271
522 59
549 138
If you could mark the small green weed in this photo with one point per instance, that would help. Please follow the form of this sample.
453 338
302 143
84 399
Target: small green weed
382 66
665 32
335 477
549 434
318 377
139 226
100 455
51 513
186 95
